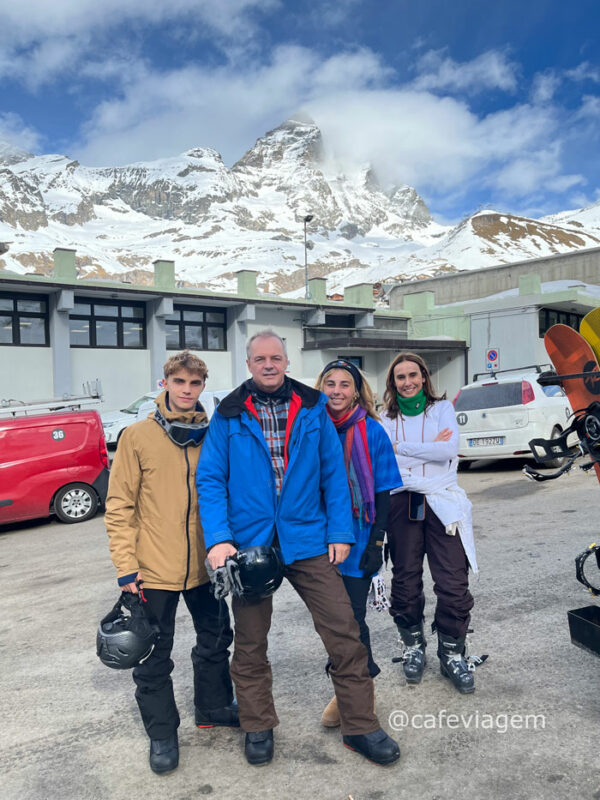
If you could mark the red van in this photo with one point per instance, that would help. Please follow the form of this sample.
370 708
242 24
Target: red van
53 463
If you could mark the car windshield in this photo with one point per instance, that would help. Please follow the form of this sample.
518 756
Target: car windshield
133 408
491 395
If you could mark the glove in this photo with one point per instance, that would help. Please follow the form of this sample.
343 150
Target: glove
372 558
219 579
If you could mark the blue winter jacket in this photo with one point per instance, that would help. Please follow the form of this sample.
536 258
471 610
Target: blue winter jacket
236 482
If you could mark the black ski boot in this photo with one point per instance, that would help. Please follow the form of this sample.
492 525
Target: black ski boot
453 664
413 655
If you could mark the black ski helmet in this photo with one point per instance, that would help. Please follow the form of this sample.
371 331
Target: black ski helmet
123 641
256 572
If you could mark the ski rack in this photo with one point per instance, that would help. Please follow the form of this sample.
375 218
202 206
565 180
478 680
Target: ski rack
550 378
493 372
92 396
586 425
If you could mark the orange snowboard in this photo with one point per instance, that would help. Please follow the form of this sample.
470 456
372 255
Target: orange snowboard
570 354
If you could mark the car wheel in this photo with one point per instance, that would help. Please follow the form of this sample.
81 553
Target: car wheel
75 502
556 463
464 465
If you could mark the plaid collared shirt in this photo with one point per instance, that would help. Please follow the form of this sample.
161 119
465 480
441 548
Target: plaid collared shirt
273 415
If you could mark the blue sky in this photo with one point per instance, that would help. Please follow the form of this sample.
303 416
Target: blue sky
473 103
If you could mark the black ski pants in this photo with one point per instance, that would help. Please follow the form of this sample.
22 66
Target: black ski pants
210 658
358 590
409 542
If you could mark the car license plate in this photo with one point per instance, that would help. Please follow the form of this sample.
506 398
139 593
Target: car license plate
486 441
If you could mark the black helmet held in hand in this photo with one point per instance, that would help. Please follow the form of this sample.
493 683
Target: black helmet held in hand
256 572
123 641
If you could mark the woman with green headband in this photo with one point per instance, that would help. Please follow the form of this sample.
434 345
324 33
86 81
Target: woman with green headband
429 515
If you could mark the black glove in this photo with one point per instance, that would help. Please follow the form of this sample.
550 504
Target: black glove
220 581
372 559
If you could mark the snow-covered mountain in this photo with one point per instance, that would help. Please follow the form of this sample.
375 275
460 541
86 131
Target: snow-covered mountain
213 220
587 218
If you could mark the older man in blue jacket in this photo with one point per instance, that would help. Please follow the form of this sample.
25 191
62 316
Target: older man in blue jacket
272 471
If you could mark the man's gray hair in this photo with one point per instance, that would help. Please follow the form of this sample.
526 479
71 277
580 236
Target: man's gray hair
268 333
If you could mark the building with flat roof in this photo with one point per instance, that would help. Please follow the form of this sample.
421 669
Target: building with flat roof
59 331
507 308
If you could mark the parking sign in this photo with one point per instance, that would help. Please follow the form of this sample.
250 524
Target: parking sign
492 358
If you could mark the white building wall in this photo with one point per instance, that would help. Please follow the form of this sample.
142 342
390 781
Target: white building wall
447 372
313 362
219 368
286 324
26 373
513 331
124 374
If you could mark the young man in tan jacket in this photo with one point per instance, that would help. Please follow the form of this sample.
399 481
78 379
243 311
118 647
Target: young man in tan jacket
156 543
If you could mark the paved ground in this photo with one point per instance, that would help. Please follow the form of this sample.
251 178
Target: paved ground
70 727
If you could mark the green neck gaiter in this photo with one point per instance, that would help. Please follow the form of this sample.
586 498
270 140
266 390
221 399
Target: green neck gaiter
411 406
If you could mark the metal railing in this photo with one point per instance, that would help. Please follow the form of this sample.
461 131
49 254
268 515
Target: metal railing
321 333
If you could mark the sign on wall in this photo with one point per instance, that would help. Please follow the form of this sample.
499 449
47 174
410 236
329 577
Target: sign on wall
492 358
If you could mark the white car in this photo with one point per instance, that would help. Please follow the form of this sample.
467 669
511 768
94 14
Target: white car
115 422
499 415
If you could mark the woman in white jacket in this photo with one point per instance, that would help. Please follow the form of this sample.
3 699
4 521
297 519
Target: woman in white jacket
430 514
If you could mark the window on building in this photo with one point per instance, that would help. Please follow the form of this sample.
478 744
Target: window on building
339 320
108 323
356 360
552 316
24 320
196 328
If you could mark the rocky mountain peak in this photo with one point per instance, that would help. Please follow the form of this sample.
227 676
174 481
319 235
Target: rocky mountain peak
411 205
297 139
10 154
213 220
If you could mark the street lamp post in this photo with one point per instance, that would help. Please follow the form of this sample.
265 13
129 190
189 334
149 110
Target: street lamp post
307 293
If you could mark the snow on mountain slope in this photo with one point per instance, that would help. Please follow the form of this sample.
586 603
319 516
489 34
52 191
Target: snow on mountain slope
587 218
213 220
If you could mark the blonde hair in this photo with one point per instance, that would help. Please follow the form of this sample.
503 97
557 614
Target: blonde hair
185 360
390 401
365 397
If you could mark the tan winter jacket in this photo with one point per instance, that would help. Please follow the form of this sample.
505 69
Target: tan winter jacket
152 516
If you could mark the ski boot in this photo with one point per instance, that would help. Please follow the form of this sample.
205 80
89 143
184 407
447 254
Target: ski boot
453 664
413 652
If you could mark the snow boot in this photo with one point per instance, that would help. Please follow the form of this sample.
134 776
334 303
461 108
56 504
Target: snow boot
453 664
331 716
413 652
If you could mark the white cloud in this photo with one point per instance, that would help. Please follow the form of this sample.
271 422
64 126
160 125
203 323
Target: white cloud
490 70
15 134
33 20
584 72
538 170
544 87
440 146
360 69
331 13
563 183
437 144
42 40
589 109
410 137
160 114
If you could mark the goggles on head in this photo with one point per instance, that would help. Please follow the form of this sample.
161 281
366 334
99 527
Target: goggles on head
180 433
341 363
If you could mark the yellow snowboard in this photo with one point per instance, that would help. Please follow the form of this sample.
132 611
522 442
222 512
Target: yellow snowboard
590 330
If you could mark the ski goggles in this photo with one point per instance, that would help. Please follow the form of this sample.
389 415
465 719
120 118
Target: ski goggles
183 434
